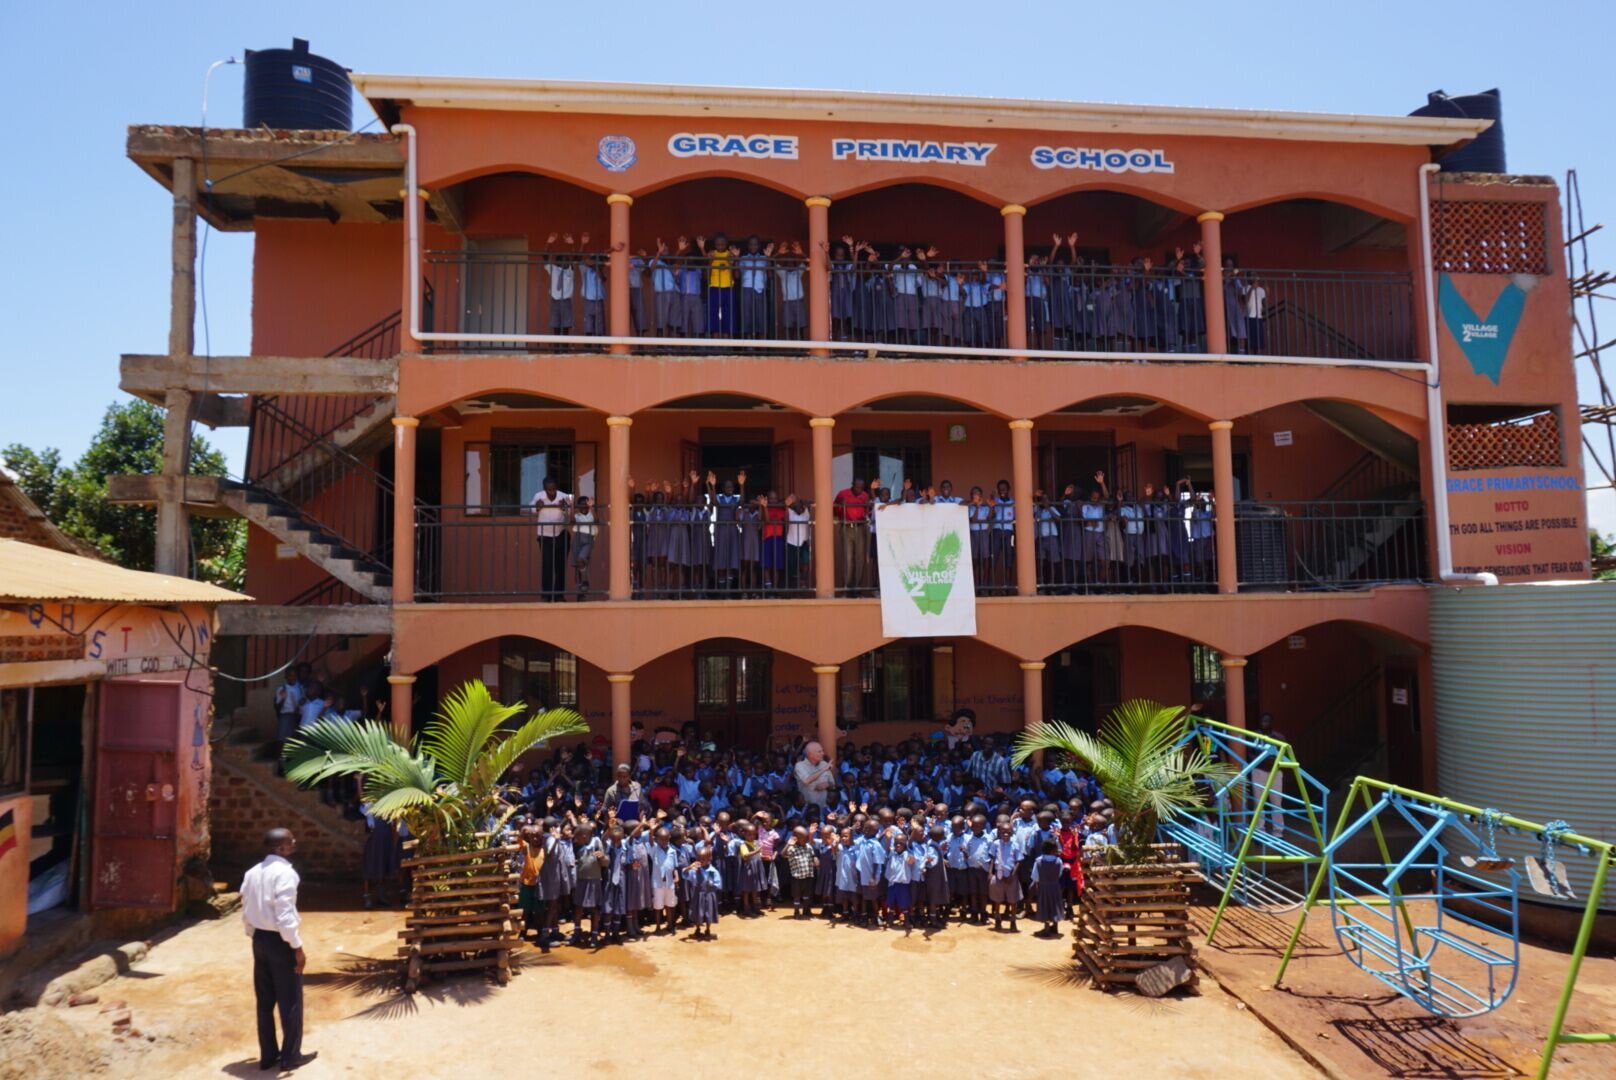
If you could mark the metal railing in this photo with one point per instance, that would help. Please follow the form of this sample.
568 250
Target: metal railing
506 553
329 487
1125 547
1330 544
909 300
1329 314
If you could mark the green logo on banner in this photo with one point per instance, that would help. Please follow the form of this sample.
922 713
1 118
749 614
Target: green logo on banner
929 583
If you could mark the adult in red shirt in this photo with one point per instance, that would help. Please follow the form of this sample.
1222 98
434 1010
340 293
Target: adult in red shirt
663 793
853 533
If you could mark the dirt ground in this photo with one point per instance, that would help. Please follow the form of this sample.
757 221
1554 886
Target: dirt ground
1354 1026
770 997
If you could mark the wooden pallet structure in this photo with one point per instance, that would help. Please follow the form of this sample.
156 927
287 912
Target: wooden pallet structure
460 918
1134 919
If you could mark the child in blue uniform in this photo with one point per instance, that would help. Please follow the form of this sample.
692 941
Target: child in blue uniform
1047 871
1004 884
706 883
903 868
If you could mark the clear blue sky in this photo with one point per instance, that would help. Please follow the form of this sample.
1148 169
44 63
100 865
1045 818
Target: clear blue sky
86 276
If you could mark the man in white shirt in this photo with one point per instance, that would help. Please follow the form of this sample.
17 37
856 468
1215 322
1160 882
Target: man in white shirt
554 510
815 776
269 913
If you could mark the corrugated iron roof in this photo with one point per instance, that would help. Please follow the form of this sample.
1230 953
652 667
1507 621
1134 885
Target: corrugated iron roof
32 573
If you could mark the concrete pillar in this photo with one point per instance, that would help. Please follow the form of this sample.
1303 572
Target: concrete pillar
404 428
1234 690
825 704
182 278
1015 274
1223 505
400 705
620 581
1032 699
1217 334
173 545
824 512
622 716
818 270
619 323
1021 488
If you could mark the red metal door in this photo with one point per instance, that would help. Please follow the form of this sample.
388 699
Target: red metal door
136 790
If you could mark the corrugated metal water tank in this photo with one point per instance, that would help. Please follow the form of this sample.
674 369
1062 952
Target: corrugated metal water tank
1526 709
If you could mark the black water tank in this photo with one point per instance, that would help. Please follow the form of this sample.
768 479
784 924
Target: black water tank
1486 152
294 89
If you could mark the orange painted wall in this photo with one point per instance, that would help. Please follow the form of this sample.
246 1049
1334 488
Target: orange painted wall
1209 173
1552 541
318 284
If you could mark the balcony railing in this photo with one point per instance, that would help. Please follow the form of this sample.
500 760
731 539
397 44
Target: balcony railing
709 551
1330 545
910 302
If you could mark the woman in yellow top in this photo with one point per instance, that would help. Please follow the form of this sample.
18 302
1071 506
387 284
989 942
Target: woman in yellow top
720 285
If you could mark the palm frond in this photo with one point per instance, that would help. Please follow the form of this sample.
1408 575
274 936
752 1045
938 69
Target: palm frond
394 805
467 719
496 760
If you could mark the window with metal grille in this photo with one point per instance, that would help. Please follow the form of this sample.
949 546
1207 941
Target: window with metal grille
896 683
1206 673
1473 236
1504 437
519 460
536 673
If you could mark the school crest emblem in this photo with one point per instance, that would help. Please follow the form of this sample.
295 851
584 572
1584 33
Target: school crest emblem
616 153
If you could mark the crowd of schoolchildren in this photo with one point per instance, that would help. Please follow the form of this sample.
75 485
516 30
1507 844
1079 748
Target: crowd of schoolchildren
700 537
911 835
906 294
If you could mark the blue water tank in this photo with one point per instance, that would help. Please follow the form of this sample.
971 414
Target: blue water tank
297 90
1486 152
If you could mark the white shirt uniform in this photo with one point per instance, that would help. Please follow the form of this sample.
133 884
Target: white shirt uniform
269 900
552 512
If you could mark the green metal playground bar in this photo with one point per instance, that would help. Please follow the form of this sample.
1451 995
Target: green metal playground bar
1363 786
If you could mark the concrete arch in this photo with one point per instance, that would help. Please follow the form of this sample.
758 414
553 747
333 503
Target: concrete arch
1343 198
886 395
1152 394
1119 187
721 173
524 168
945 183
1417 638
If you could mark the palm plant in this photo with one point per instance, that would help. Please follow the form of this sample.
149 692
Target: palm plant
444 788
1137 758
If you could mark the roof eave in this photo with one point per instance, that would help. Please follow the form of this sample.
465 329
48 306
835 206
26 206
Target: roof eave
388 93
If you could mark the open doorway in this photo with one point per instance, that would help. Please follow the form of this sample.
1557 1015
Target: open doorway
55 749
1083 684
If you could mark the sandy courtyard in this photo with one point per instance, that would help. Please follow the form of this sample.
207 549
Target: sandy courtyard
770 997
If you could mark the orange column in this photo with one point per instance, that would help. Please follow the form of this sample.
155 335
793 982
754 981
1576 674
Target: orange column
1021 487
622 715
404 428
1217 334
1015 273
826 707
818 270
400 704
1234 690
1223 505
619 582
1032 698
824 554
618 323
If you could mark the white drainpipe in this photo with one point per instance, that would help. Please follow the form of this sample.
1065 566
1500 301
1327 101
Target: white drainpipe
1436 428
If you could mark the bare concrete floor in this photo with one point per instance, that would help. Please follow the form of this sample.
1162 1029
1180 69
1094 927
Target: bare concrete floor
770 997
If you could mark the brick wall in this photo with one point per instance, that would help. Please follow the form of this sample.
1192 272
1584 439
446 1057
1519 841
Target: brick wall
247 799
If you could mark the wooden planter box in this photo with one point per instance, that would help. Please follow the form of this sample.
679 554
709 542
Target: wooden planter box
460 917
1131 919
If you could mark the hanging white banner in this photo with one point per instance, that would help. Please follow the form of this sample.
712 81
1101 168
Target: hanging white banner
927 588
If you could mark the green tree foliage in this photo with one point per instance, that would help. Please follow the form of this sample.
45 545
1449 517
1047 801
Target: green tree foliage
1140 762
128 443
1601 549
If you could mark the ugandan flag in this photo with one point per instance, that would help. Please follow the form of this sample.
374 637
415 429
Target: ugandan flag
8 833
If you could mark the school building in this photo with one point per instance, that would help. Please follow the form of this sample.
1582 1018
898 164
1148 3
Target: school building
1359 362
